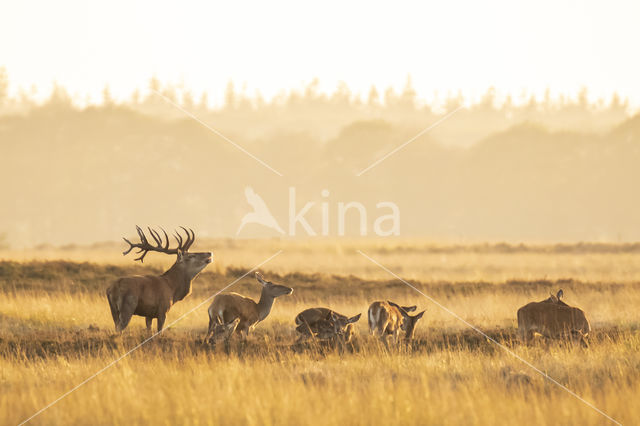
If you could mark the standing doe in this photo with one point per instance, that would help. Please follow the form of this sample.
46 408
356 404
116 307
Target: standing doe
228 307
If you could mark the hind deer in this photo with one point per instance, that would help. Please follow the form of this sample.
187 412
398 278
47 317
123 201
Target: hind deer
388 318
325 324
553 318
151 296
228 307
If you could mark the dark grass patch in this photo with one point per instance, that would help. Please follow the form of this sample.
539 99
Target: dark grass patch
73 277
94 342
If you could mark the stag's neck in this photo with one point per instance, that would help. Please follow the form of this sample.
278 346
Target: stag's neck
179 281
264 305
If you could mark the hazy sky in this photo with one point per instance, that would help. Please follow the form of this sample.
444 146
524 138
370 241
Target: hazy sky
467 45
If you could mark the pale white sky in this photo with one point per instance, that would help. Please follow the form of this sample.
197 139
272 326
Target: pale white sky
467 45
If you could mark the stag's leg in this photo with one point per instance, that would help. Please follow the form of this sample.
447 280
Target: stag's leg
129 304
149 320
161 318
115 314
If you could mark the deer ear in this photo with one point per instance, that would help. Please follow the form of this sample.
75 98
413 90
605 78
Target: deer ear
560 294
354 319
180 254
419 315
260 278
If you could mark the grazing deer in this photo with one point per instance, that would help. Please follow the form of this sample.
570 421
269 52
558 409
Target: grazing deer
388 318
228 307
222 331
324 323
552 318
151 296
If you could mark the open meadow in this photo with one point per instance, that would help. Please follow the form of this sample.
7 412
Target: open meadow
335 214
56 331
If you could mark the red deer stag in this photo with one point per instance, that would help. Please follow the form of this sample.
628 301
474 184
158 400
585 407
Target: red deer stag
324 323
388 318
553 318
151 296
228 307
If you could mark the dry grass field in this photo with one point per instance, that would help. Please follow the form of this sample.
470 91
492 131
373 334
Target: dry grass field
56 331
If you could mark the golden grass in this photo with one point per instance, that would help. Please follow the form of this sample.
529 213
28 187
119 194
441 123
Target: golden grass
55 331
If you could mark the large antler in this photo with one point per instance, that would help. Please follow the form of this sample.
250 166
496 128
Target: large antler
162 245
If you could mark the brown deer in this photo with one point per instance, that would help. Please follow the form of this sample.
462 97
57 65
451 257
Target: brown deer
151 296
388 318
324 323
228 307
553 318
222 331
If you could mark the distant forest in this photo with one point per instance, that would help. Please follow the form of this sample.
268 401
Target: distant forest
543 170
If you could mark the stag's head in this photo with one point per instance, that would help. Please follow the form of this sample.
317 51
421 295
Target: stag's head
192 263
271 289
408 321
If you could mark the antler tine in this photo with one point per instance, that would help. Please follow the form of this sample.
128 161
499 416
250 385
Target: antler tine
190 238
156 237
166 238
193 237
143 237
178 239
145 247
187 243
131 247
141 258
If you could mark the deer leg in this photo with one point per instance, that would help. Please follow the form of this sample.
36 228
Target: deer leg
396 337
372 326
209 336
129 304
383 333
385 340
161 318
307 331
529 336
115 314
148 320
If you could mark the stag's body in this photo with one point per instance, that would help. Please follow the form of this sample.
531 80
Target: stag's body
553 318
388 319
229 307
152 296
